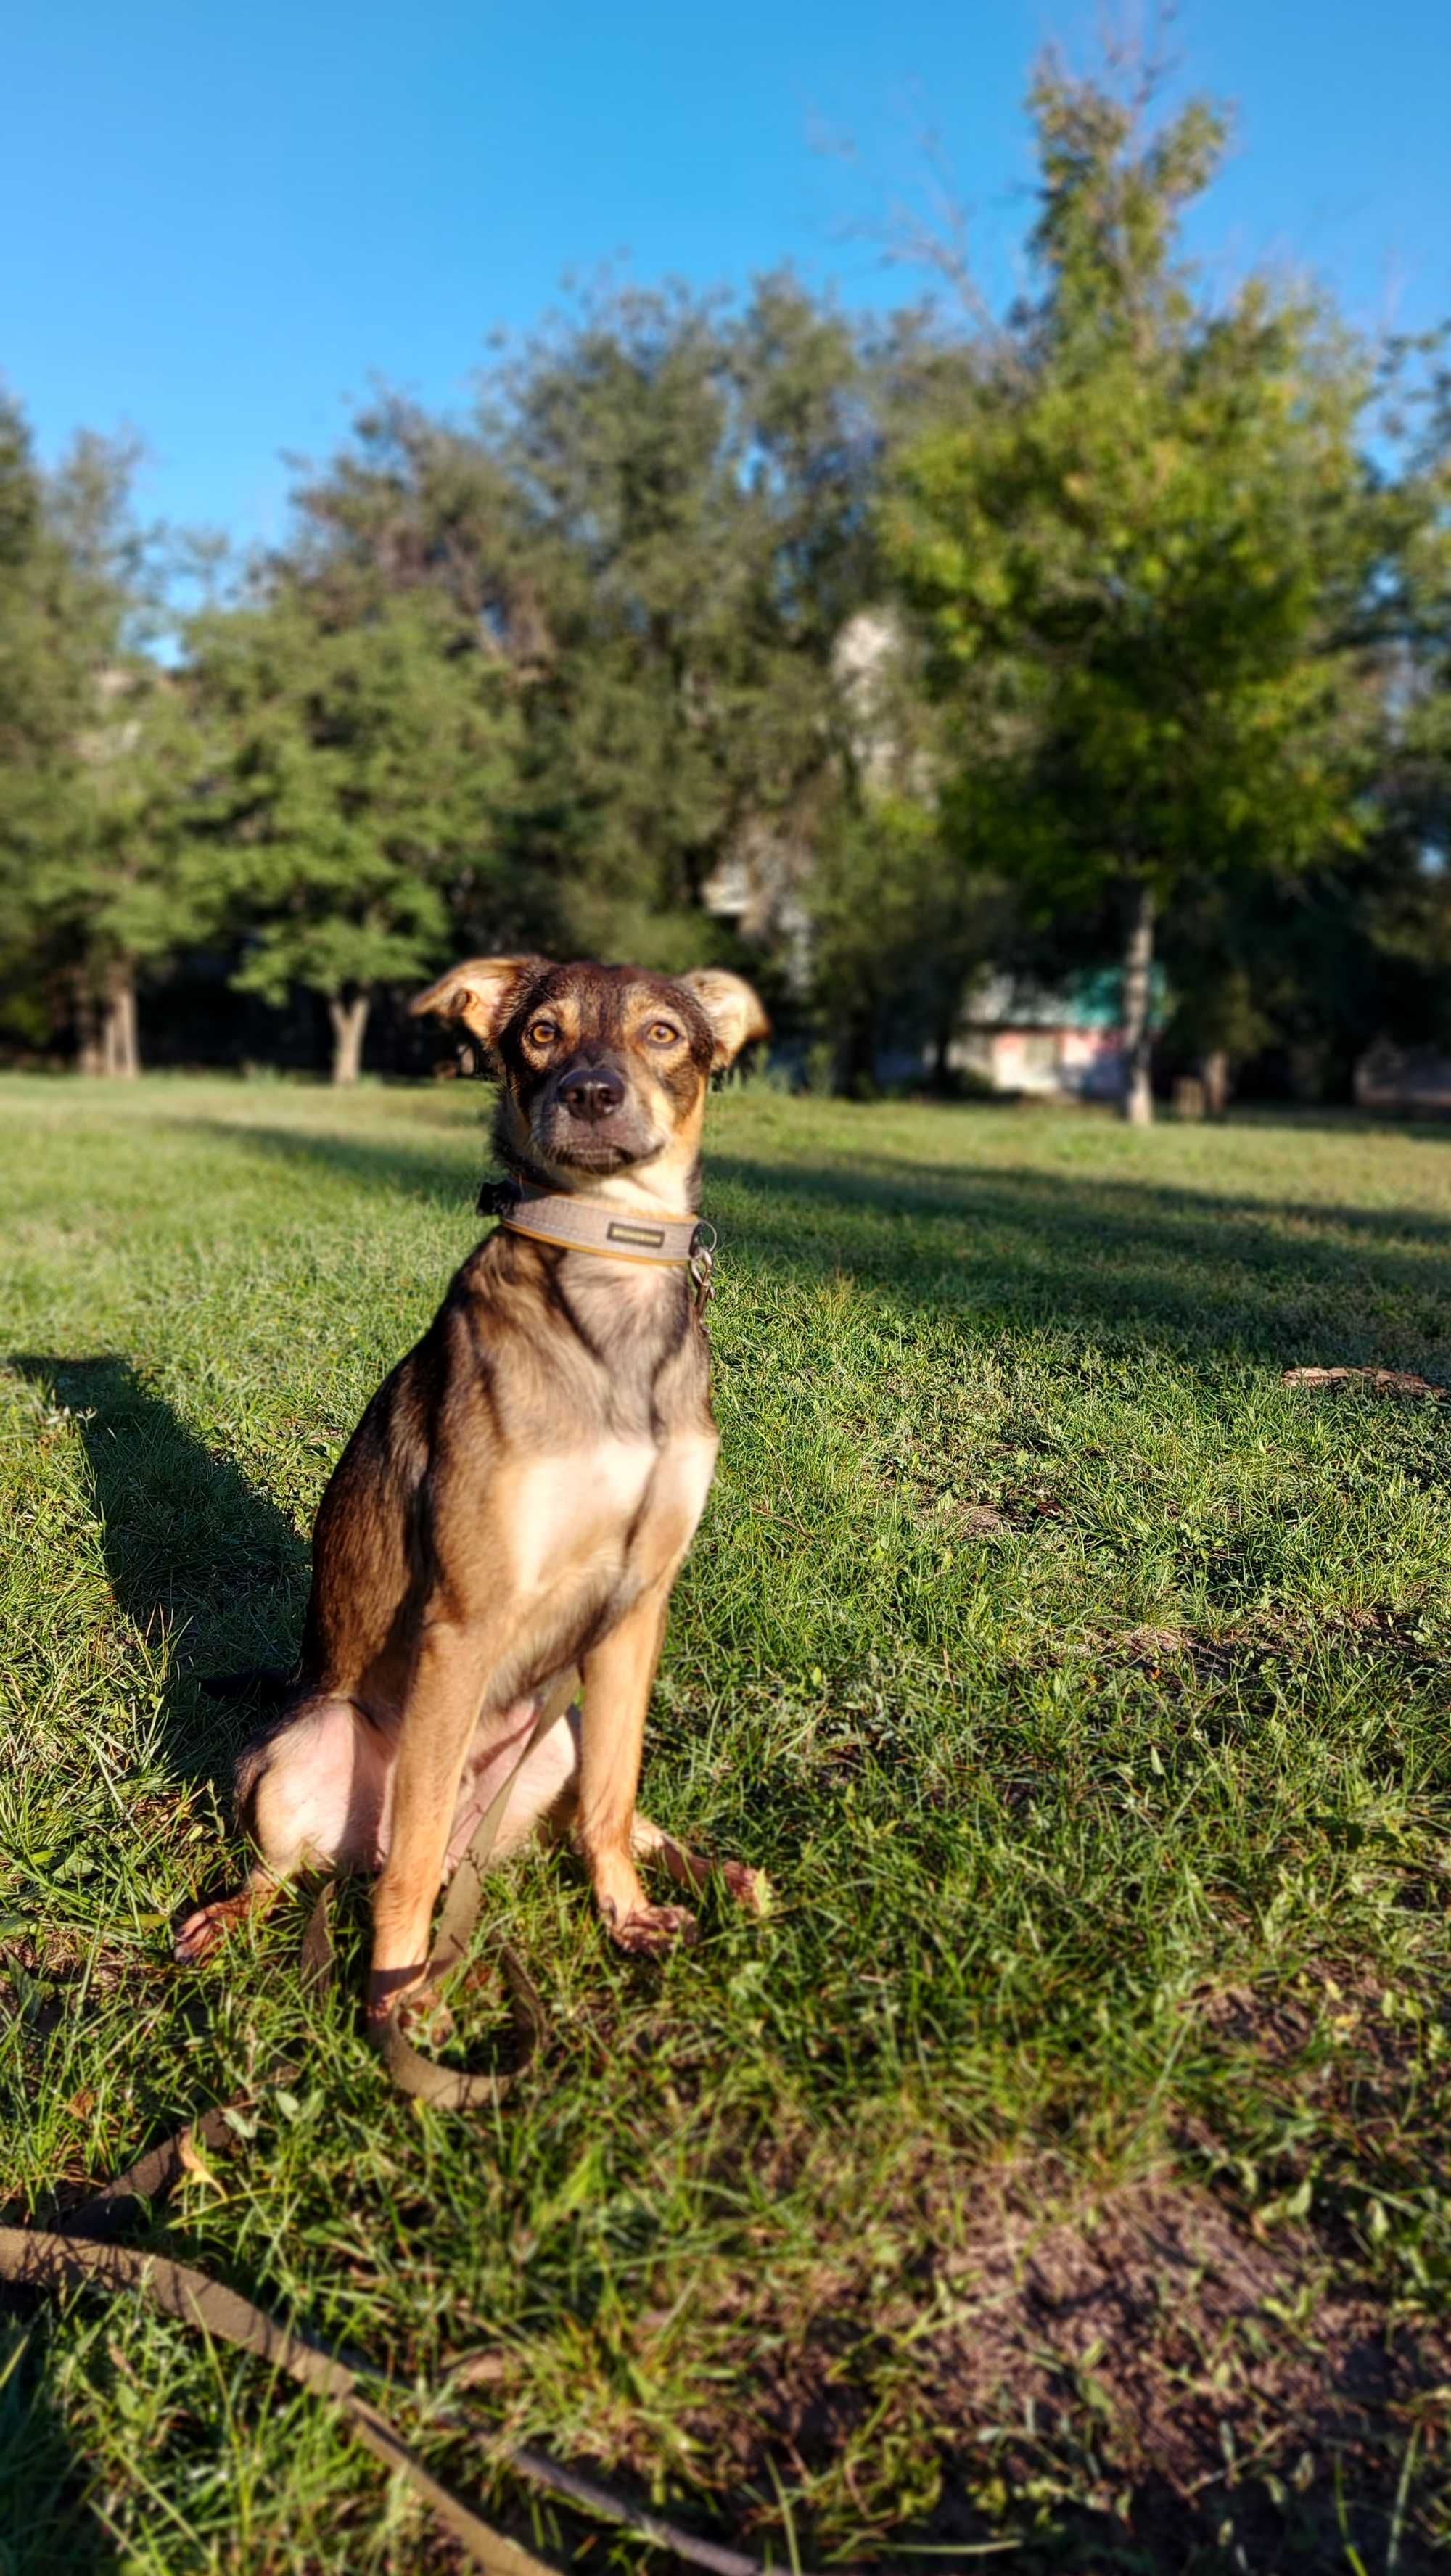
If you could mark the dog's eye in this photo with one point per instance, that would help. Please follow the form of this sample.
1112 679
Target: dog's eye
662 1033
543 1032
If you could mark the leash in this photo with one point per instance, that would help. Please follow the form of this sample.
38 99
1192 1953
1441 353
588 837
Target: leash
77 2253
38 2259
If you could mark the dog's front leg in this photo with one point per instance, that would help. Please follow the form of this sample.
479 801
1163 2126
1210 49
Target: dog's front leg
445 1694
618 1674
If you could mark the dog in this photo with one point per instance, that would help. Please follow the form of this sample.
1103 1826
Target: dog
517 1499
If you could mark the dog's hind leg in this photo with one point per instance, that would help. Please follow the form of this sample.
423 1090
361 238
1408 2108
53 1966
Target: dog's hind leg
315 1794
692 1871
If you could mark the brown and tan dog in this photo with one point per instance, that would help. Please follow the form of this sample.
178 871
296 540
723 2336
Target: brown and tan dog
517 1499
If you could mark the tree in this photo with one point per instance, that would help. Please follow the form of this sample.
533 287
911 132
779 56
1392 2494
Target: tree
95 750
138 887
695 506
656 531
1145 552
359 767
620 438
1417 801
34 742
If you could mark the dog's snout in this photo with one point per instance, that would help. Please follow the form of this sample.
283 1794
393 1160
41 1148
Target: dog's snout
591 1091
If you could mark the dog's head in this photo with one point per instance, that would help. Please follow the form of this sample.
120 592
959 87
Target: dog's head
604 1069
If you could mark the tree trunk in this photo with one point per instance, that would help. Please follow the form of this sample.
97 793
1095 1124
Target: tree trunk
1138 1096
1214 1074
119 1052
854 1076
349 1020
90 1052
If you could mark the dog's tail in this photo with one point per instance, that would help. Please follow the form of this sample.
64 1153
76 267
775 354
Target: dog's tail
267 1683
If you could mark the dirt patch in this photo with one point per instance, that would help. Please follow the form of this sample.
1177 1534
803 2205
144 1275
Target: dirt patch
1278 2020
1139 2365
1182 1654
1215 2377
1276 2026
1145 2288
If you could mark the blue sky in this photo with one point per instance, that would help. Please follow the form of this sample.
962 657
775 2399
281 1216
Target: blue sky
221 223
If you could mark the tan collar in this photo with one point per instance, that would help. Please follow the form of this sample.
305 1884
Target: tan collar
591 1225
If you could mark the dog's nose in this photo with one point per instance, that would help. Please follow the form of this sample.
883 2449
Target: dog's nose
592 1091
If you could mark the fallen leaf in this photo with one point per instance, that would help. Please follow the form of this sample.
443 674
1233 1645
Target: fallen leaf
193 2162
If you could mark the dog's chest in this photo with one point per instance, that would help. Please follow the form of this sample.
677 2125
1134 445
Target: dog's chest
609 1508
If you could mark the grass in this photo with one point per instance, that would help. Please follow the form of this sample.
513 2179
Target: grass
1060 2172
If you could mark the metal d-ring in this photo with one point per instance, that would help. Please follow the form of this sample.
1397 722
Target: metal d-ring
702 1264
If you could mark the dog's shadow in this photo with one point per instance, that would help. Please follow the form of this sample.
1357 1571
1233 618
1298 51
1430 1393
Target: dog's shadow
192 1551
195 1554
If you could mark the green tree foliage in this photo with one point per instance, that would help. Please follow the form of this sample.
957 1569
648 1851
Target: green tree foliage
659 524
1145 552
899 925
102 883
359 760
696 493
1412 921
34 750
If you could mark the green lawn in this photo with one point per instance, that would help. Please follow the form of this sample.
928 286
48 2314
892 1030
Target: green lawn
1060 2172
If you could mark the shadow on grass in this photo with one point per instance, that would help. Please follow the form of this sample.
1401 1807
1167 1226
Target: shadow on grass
48 2525
1123 1262
415 1171
192 1551
1198 1272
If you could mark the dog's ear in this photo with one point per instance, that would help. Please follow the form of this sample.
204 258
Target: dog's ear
733 1010
482 992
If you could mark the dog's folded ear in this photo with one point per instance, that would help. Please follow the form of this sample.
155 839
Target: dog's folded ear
483 992
733 1010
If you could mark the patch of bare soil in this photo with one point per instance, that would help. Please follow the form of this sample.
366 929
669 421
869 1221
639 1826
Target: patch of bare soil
1274 2024
1137 2380
1171 1654
1214 2380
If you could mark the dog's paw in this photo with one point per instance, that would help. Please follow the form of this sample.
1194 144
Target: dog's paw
206 1926
396 1990
650 1930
